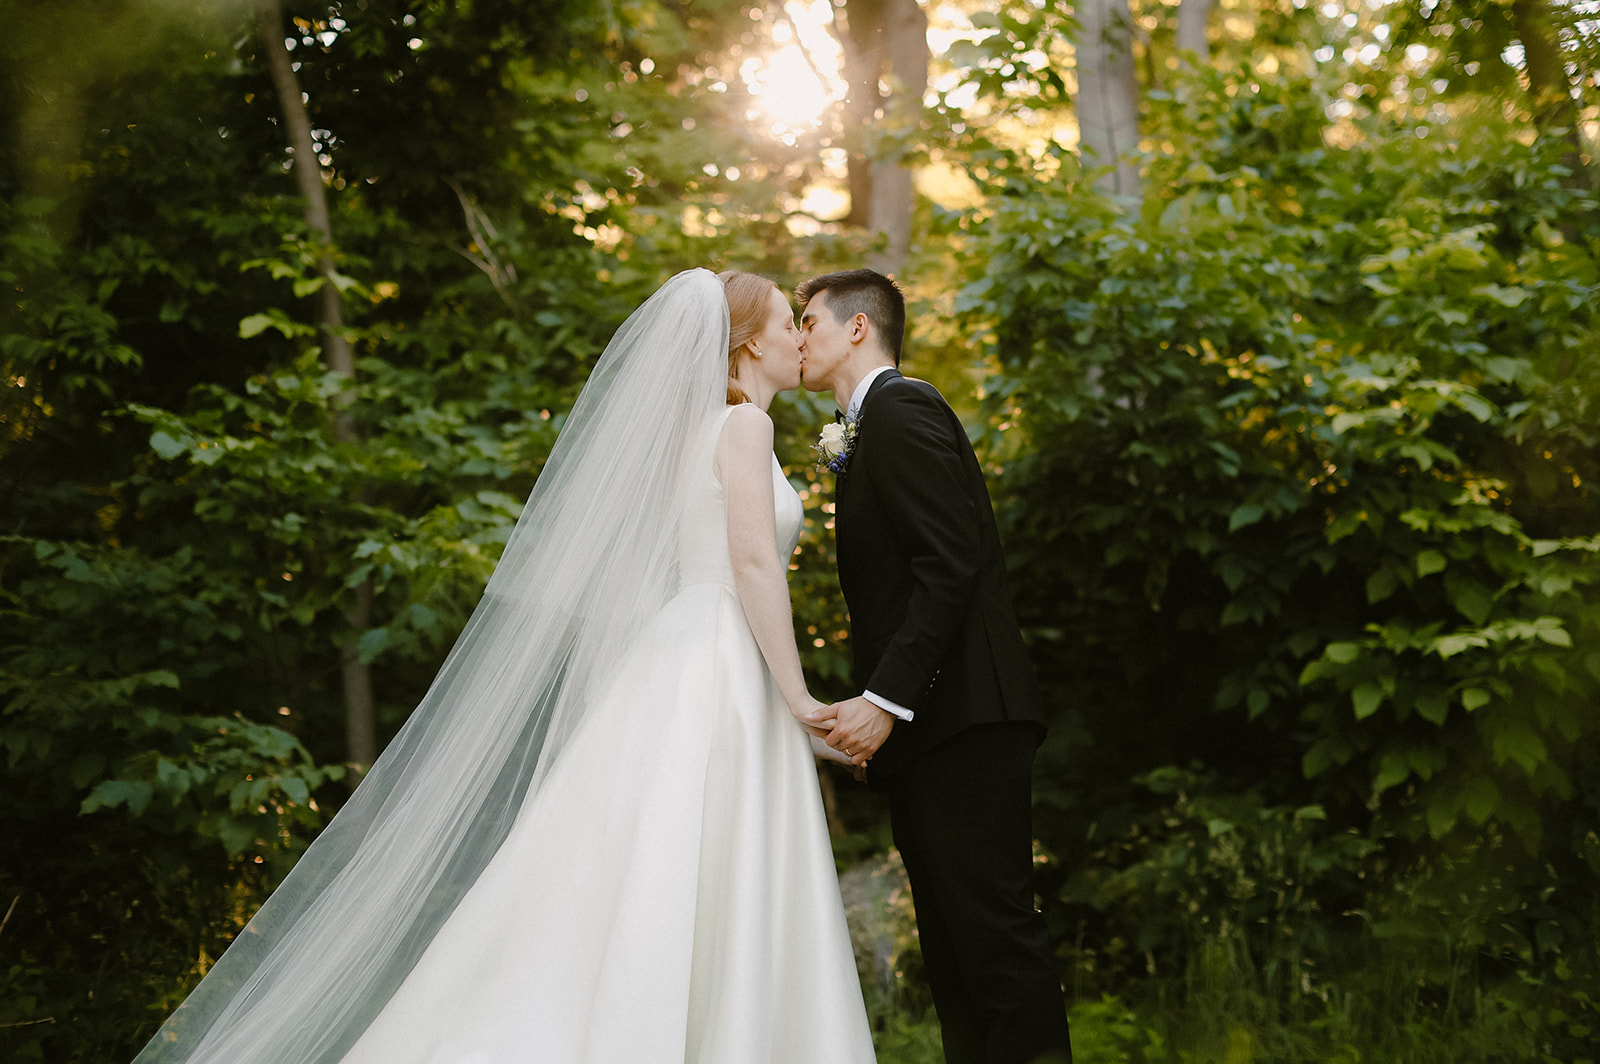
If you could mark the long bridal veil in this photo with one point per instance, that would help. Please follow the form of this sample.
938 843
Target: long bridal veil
590 561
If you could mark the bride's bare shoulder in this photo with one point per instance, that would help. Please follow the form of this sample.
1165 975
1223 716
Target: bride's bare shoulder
746 437
748 424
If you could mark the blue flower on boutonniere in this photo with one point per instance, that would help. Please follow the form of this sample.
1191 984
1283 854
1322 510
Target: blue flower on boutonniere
836 443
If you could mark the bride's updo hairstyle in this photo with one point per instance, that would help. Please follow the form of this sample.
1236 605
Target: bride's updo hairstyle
747 314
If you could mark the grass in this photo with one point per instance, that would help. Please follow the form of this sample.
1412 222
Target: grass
1180 1023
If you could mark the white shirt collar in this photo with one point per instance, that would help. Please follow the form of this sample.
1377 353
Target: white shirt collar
859 396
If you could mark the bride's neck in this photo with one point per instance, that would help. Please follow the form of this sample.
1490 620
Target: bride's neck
756 392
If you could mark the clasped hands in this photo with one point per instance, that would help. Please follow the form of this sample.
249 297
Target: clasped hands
855 727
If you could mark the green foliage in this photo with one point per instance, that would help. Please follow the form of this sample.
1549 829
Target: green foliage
1306 487
1202 865
1104 1031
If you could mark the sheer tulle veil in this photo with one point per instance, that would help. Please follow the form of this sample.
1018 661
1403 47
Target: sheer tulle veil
590 561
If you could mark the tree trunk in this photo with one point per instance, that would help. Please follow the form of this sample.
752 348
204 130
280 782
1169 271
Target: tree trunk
359 705
1192 18
1108 94
853 29
1549 88
882 41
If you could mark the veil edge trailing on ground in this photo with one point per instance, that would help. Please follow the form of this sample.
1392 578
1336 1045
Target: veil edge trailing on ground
589 563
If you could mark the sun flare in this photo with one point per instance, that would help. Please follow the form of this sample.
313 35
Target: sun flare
797 81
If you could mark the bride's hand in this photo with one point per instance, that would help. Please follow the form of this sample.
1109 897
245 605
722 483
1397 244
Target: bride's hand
823 752
801 708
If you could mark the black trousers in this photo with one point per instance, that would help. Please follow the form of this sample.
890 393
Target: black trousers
962 816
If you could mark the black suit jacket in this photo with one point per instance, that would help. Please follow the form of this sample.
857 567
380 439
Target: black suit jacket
931 621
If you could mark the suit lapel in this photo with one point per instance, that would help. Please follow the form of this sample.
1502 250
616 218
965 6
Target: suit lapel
866 401
841 481
873 389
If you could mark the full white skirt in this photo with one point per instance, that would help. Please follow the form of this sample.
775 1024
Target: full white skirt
668 894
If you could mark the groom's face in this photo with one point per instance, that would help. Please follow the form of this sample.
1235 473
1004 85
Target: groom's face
824 344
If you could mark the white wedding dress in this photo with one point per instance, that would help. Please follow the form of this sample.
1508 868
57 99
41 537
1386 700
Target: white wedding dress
668 894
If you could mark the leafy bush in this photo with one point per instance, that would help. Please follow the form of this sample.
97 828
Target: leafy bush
1298 470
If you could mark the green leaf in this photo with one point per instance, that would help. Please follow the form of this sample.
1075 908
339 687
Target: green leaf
235 835
295 789
1418 454
168 447
1448 646
371 644
1248 514
1236 612
1474 698
1555 636
1320 669
135 794
1515 741
1342 653
1432 708
255 325
1323 755
1430 562
1366 698
1217 826
1343 423
1476 405
1382 584
1480 798
1504 368
1471 598
1302 642
1504 295
1392 771
171 777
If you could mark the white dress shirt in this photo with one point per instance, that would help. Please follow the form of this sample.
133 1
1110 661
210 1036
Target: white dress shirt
852 412
859 396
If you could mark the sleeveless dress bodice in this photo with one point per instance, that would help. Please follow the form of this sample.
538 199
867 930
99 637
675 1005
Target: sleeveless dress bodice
703 555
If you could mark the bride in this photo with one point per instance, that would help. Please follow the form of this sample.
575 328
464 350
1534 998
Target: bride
599 837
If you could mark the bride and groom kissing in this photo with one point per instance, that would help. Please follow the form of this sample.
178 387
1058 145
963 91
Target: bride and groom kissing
599 837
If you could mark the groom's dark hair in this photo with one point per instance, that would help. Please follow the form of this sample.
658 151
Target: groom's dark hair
868 292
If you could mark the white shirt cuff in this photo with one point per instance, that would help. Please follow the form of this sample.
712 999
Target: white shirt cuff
887 706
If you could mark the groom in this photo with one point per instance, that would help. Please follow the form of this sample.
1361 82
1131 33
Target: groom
948 717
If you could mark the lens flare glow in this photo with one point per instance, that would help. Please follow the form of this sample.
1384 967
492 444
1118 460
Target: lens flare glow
797 81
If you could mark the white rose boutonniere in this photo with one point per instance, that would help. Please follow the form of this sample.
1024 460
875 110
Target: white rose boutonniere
835 444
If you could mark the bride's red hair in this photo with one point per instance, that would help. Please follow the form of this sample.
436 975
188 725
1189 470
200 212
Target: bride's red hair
747 313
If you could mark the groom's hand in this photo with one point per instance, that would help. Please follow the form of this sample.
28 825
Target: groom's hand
859 727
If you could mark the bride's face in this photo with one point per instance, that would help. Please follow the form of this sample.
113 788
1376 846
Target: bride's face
779 344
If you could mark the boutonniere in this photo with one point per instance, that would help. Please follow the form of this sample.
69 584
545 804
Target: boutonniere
836 443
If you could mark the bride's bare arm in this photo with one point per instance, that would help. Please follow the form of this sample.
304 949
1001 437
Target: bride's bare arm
744 466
